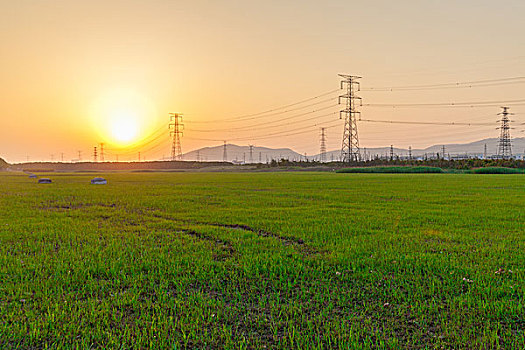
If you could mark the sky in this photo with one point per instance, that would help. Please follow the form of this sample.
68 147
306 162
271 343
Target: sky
75 74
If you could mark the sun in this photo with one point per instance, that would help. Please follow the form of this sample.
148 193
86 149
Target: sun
123 117
124 126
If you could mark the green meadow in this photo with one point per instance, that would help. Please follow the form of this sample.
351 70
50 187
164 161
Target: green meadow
263 260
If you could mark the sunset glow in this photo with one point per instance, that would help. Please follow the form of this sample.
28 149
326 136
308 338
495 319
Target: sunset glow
76 74
124 127
123 117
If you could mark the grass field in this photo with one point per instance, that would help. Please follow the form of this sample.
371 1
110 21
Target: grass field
263 260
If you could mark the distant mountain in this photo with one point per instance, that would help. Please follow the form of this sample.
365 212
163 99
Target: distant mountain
242 153
475 148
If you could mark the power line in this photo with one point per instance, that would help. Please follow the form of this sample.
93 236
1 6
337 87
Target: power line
422 123
249 127
269 136
488 82
265 113
448 104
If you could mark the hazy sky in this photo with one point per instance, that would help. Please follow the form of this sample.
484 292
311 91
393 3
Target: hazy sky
73 71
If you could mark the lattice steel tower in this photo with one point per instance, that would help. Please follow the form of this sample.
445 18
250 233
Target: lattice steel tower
504 145
251 153
322 151
224 153
176 124
350 146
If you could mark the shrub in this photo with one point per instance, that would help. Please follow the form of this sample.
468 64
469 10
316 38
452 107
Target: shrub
394 170
498 170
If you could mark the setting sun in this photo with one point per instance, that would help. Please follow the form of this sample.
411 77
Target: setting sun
123 116
124 127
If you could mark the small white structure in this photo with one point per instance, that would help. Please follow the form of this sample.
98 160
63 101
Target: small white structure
32 176
99 181
44 181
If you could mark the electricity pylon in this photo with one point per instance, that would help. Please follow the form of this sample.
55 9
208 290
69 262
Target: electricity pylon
176 123
350 146
504 145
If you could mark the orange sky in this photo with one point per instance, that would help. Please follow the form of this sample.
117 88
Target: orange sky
67 67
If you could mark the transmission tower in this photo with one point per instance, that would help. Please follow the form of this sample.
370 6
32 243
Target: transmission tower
443 152
251 153
410 152
322 151
485 152
102 152
504 145
95 153
224 153
350 146
198 156
176 124
391 152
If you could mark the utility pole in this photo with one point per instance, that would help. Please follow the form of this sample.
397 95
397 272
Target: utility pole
443 152
391 152
198 156
350 146
504 145
322 151
102 152
251 153
260 157
176 123
95 154
62 157
79 156
139 156
410 152
485 152
224 153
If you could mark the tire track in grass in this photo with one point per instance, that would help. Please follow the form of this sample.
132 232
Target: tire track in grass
225 247
286 240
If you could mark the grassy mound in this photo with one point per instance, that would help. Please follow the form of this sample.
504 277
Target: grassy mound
3 164
498 170
394 170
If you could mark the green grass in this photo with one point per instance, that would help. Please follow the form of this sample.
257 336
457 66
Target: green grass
393 170
498 170
323 261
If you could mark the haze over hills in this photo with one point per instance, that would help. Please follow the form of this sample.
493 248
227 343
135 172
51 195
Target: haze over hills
242 153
